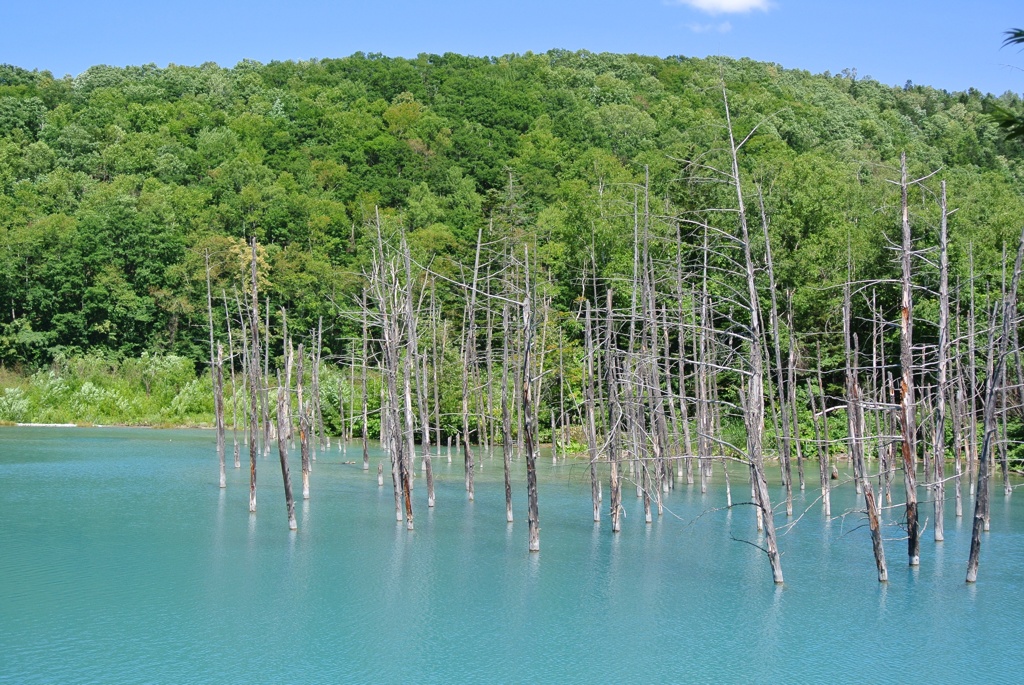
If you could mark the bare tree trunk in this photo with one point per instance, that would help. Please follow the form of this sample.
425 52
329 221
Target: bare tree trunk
754 409
234 391
218 409
317 405
780 386
793 413
588 401
243 324
303 422
254 382
939 456
469 363
825 456
533 517
958 428
823 470
366 417
410 437
506 416
614 419
265 388
282 448
999 353
908 423
216 379
855 423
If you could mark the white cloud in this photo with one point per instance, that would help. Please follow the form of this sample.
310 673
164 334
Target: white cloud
724 27
726 6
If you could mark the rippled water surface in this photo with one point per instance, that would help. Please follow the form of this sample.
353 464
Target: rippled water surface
121 561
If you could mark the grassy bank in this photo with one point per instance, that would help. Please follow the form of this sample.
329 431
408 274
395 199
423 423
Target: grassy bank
91 389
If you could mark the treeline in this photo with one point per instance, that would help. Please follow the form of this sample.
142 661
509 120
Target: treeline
114 184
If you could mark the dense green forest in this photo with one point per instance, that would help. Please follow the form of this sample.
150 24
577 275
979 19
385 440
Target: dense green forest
116 184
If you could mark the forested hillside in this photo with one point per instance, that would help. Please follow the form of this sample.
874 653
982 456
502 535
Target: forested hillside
115 184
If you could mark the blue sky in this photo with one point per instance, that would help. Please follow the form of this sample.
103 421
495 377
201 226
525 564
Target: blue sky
949 44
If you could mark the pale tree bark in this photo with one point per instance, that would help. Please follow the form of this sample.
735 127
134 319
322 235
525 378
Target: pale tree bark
254 382
939 435
997 357
908 420
234 391
529 432
754 409
469 362
282 447
216 378
303 421
506 416
588 401
614 419
218 408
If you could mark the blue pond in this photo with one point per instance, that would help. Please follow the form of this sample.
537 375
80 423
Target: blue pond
121 561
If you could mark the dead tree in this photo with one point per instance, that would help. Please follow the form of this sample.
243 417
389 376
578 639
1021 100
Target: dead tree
506 416
254 382
234 391
614 419
216 378
908 420
469 362
533 516
754 409
218 410
855 423
366 413
939 435
780 385
997 357
282 448
303 408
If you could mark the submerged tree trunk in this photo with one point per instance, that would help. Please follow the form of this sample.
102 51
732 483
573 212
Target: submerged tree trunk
533 516
754 408
506 416
469 361
366 417
282 448
614 418
234 391
997 357
908 422
218 409
939 434
303 423
254 382
588 401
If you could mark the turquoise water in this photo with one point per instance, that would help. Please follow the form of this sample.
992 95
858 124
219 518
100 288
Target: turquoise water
121 561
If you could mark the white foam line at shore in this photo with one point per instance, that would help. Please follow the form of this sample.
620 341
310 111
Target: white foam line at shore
49 425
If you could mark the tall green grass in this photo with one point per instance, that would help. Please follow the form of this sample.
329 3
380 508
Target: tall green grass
151 390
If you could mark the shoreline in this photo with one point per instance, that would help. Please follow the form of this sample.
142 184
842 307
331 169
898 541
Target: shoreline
29 424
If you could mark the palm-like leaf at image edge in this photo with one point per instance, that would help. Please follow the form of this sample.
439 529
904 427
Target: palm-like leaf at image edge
1012 124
